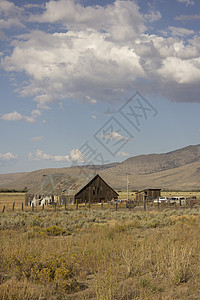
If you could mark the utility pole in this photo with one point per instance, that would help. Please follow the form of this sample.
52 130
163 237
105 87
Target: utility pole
127 182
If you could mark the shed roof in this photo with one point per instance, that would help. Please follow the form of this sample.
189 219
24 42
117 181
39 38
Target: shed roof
145 190
152 189
58 184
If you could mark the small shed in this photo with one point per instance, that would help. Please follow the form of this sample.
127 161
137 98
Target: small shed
148 194
67 189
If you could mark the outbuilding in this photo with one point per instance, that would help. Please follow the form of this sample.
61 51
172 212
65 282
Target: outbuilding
148 195
69 189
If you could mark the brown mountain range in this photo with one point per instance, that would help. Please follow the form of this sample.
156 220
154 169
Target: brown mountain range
179 169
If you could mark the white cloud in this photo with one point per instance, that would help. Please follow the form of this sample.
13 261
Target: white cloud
37 138
180 71
121 20
15 116
94 117
74 156
187 18
100 54
8 156
30 5
114 136
35 113
62 66
179 31
10 15
124 154
153 16
187 2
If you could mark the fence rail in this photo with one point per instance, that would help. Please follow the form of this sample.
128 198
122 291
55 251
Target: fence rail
132 205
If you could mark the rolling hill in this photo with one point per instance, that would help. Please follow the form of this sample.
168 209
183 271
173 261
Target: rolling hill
178 169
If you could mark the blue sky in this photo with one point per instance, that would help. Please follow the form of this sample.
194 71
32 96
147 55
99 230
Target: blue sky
94 82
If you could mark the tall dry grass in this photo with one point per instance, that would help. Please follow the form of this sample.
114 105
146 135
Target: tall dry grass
100 255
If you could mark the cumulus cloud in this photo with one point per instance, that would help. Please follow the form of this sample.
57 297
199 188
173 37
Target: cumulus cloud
74 156
81 65
114 136
124 154
16 116
102 53
121 20
8 156
153 16
179 31
10 15
187 2
35 113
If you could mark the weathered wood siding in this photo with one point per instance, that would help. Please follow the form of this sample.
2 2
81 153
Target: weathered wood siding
28 199
95 192
148 194
152 194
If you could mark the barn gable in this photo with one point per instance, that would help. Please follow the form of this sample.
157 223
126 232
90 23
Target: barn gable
97 190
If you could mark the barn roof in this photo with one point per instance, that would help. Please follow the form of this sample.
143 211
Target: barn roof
58 184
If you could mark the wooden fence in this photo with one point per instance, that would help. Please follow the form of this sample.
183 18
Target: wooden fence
133 205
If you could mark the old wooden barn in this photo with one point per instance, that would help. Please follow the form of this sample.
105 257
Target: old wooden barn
148 194
67 189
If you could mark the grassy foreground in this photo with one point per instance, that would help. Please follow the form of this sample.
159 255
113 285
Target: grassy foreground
100 255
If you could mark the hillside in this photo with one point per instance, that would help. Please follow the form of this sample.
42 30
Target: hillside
179 169
186 177
152 163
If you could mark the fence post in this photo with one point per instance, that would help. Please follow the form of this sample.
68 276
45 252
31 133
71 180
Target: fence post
89 205
13 208
55 206
65 206
32 207
116 206
145 205
22 206
3 209
43 206
101 205
126 204
76 204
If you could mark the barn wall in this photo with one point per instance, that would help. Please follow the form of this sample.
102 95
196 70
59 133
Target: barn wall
153 194
139 196
28 199
67 199
57 199
97 191
148 194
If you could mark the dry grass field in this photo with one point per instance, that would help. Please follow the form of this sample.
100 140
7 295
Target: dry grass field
8 199
98 254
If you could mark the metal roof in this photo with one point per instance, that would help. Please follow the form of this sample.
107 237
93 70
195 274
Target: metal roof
61 184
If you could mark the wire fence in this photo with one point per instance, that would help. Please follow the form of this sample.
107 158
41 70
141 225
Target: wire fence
114 206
